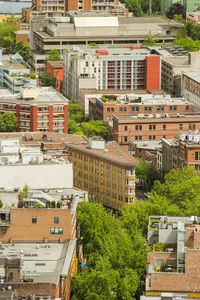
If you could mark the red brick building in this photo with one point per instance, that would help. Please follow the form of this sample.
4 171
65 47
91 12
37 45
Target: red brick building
104 107
55 68
38 109
182 151
151 127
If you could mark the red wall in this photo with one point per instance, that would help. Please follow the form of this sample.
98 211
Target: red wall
56 72
152 72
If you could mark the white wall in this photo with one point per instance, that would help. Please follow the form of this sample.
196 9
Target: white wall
37 176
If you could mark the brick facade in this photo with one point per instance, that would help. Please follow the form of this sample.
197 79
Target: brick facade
21 225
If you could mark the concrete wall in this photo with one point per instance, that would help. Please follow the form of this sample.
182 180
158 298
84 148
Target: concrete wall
37 176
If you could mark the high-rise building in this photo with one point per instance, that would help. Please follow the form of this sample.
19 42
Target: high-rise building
116 69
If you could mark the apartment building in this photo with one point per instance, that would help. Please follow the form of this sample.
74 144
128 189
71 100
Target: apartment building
77 29
106 171
151 127
144 149
110 69
183 150
191 87
174 271
55 68
104 107
37 109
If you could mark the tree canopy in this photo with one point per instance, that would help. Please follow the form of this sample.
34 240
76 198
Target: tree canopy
54 55
115 248
23 49
7 36
46 79
176 9
8 122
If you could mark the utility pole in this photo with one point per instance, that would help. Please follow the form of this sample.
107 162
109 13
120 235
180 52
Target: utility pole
150 7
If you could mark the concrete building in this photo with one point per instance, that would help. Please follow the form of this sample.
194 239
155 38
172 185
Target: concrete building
55 68
181 151
191 87
151 127
190 5
110 69
59 8
106 171
104 107
12 67
78 29
37 109
175 270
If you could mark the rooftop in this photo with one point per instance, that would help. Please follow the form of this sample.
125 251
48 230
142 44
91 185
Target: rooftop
148 117
112 152
41 262
146 99
56 64
38 95
194 75
149 145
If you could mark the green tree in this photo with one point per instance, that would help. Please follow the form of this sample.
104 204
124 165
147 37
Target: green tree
76 112
7 35
188 44
1 203
134 7
176 9
8 122
148 41
73 128
23 49
47 79
54 55
94 128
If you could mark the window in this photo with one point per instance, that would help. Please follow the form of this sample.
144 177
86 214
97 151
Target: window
180 126
56 230
125 109
112 109
3 229
146 108
108 109
187 107
56 220
174 107
197 155
158 262
120 109
34 220
125 128
150 127
86 63
132 108
125 139
164 127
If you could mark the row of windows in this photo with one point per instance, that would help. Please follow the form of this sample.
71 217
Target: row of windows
153 127
34 220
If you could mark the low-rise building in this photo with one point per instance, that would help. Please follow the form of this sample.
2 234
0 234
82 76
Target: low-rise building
174 270
104 107
106 171
181 151
191 87
151 126
37 109
144 149
55 68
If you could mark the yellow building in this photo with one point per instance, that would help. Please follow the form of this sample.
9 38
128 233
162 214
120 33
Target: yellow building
106 171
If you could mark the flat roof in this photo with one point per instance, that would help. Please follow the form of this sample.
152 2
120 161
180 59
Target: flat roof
194 75
149 145
43 262
34 95
154 117
112 152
